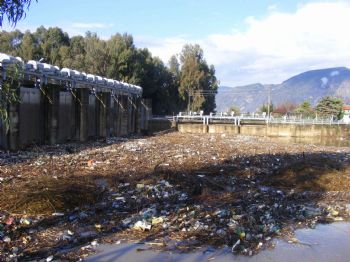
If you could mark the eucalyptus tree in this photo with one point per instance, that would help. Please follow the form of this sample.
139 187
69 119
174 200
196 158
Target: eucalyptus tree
51 44
29 49
198 83
13 10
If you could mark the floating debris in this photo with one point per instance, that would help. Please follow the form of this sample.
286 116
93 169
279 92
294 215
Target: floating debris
173 191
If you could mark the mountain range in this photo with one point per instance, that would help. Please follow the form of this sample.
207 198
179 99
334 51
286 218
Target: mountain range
308 86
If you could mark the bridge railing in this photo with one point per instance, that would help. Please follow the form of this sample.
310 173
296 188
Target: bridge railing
307 121
205 119
257 119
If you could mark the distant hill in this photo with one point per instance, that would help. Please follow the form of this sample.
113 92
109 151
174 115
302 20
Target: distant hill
310 86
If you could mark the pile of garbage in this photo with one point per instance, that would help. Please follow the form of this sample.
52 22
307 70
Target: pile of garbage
172 191
246 220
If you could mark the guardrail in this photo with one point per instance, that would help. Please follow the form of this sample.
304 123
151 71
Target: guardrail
206 120
237 120
307 121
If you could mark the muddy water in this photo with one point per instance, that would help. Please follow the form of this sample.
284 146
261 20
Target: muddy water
321 141
329 242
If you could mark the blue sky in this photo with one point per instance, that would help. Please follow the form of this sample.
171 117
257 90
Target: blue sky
157 18
247 40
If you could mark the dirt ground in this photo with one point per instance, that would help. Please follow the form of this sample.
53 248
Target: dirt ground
172 191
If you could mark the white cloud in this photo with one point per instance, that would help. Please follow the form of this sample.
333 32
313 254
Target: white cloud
272 7
162 47
275 47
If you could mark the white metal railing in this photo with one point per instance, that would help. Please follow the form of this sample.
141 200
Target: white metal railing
307 121
205 119
237 120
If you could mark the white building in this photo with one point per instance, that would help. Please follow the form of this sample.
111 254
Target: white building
346 117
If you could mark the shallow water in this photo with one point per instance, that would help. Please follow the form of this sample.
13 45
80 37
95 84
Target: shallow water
329 242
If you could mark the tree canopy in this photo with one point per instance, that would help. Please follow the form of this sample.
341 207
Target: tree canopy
330 107
284 108
196 79
305 109
235 109
167 85
266 108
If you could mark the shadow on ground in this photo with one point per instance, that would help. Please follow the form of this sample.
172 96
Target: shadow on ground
34 151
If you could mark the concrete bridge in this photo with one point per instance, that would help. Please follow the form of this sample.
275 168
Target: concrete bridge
60 105
308 130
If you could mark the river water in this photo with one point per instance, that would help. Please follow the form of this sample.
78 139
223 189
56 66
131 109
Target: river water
330 242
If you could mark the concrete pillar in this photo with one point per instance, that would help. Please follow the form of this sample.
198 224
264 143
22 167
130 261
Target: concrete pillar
111 118
124 115
138 115
129 115
13 131
133 114
146 113
51 104
82 107
101 114
120 111
116 117
108 114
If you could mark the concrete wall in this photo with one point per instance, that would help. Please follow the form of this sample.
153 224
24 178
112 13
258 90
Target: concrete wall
157 125
223 128
54 115
292 130
277 130
192 128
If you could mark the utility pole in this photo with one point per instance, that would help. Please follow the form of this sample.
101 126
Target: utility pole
268 102
189 101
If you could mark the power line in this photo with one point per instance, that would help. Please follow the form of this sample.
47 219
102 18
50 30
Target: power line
227 92
218 93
